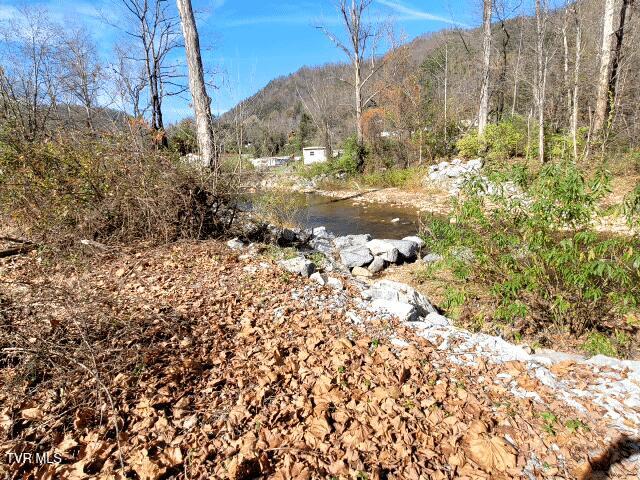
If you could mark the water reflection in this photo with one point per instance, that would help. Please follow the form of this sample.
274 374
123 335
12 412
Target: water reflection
349 216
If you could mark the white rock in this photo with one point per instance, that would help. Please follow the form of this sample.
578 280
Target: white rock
391 291
235 244
415 239
351 240
377 265
335 283
408 250
404 311
384 249
299 265
395 220
319 278
434 319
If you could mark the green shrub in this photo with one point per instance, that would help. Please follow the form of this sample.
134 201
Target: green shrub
599 344
350 160
393 177
539 255
506 139
632 207
501 141
470 145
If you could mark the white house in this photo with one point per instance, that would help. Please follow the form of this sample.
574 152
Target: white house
314 155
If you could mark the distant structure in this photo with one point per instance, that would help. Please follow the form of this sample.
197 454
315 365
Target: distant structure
314 155
268 162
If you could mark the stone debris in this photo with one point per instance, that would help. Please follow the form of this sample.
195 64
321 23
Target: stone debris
298 265
235 244
356 256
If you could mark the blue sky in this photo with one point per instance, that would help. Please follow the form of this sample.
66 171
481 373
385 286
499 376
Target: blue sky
250 42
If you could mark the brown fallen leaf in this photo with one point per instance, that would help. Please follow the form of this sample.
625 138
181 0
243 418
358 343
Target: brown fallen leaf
32 413
492 453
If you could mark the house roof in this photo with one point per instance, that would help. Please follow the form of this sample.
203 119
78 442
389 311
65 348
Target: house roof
313 148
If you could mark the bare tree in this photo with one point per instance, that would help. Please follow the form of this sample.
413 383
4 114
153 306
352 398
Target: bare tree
617 58
576 80
316 98
542 60
131 80
157 31
360 47
82 72
29 78
606 62
201 100
483 113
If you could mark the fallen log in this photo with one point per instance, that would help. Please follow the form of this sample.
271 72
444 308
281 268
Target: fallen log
19 250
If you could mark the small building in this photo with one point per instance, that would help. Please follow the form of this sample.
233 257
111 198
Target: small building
270 162
314 155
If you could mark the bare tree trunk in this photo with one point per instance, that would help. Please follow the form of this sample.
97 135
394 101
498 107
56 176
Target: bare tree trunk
576 83
617 56
517 71
602 99
358 91
483 113
565 71
446 85
201 101
541 73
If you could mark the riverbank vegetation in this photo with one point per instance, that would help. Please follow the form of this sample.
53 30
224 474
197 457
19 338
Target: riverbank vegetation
533 265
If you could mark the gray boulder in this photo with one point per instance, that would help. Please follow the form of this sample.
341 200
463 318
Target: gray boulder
355 256
377 265
431 258
384 249
351 240
415 239
408 250
298 265
390 291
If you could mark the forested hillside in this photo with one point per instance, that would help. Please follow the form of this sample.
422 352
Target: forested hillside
433 84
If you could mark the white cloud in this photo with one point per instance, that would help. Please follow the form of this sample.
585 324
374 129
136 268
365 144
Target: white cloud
409 13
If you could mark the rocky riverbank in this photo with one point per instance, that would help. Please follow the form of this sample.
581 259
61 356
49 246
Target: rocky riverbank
614 386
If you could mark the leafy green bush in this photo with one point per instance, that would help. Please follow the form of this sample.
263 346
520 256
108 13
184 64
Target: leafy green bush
506 139
349 161
470 145
539 255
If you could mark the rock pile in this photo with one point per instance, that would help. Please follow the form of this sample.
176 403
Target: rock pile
452 175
